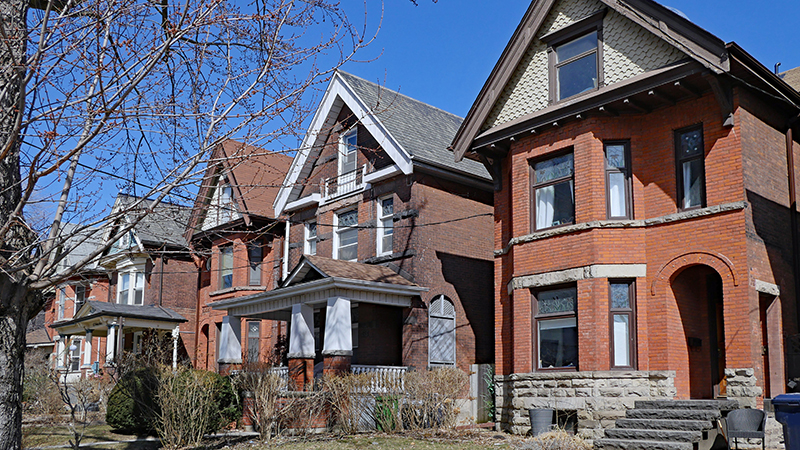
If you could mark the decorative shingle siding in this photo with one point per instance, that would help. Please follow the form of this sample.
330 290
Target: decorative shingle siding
628 50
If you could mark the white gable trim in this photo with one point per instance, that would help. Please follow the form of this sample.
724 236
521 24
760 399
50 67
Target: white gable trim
339 93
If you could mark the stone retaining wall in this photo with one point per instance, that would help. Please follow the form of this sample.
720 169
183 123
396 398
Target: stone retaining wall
597 398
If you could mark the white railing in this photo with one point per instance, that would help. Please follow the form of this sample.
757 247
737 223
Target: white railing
283 373
343 184
385 378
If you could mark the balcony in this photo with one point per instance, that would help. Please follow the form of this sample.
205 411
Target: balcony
344 184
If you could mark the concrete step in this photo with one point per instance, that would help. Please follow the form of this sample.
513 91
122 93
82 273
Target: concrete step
676 414
665 424
721 405
621 444
654 435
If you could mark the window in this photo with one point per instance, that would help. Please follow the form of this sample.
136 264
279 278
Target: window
691 171
442 332
556 328
553 192
75 354
226 267
253 340
621 303
346 236
80 297
130 288
618 180
310 247
254 258
354 323
347 180
137 342
575 58
385 225
62 302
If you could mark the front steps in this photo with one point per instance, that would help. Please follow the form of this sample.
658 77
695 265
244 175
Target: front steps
667 425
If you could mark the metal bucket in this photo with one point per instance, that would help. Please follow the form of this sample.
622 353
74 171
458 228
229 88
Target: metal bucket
541 420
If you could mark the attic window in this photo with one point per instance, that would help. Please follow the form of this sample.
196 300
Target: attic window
575 58
347 151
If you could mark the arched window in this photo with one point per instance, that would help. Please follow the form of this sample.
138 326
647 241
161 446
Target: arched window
441 332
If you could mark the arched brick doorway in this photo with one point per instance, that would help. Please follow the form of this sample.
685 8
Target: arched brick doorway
698 294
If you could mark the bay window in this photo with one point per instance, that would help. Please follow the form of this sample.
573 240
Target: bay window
690 167
553 192
622 318
556 328
618 180
346 236
130 288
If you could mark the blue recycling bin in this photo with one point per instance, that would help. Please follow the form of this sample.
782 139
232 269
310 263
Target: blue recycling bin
787 412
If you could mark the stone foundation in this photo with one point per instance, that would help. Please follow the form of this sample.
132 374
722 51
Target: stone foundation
596 398
743 386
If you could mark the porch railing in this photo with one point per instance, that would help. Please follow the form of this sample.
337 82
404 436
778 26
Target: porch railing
343 184
283 373
385 378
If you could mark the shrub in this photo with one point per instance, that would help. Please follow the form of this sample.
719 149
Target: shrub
132 406
431 398
40 394
556 440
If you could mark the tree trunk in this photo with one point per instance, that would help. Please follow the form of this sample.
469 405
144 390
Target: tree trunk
13 323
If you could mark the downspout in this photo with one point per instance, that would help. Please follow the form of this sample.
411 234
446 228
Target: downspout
793 214
286 252
161 281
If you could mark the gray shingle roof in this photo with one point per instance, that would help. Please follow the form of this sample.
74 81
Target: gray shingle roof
792 78
423 130
165 225
96 308
79 244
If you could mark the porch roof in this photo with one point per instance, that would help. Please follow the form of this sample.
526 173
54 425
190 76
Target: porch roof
97 316
315 279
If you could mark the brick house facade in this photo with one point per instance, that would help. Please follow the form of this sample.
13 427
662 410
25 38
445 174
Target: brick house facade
373 185
645 214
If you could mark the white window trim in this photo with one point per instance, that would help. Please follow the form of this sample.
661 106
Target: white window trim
131 287
343 149
75 306
61 303
307 238
432 363
380 251
337 230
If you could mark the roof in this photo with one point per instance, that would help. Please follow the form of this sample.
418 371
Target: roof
165 225
79 243
422 130
792 78
93 308
255 174
38 337
313 267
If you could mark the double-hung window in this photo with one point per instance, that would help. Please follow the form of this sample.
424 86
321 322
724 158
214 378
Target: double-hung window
346 236
130 288
310 247
553 192
690 167
80 297
348 155
75 354
62 302
385 225
622 302
575 58
226 267
618 180
254 257
556 328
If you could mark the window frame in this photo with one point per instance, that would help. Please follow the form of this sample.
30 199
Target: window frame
131 289
76 305
534 186
632 329
627 173
61 303
536 318
454 318
223 249
250 356
380 229
345 149
338 229
309 239
679 161
75 360
566 35
255 266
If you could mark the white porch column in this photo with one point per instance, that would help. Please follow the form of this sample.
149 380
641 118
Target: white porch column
176 333
60 351
111 342
338 328
87 350
301 339
230 341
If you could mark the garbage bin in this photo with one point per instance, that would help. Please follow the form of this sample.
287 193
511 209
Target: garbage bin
787 412
541 420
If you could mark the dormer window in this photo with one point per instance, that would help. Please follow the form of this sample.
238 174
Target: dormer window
575 58
130 288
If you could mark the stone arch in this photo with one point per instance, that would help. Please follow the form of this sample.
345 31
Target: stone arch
717 261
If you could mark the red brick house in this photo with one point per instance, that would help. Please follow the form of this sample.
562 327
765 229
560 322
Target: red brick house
144 285
388 261
646 240
235 238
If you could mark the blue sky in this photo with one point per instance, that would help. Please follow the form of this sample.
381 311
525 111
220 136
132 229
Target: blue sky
442 53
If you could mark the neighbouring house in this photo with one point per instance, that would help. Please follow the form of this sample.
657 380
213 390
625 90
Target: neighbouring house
646 239
235 237
389 258
145 288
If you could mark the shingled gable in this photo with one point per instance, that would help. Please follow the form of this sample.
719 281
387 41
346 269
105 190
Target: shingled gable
700 46
409 131
255 174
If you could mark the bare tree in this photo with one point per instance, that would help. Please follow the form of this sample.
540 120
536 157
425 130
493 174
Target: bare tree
98 94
